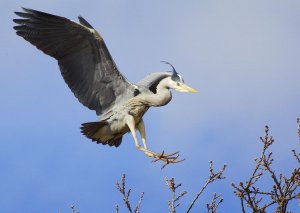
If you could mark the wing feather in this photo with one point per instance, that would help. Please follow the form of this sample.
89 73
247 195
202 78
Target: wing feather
84 60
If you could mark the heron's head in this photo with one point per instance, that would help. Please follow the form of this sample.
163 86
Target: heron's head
177 83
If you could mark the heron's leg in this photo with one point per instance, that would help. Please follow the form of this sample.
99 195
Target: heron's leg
141 128
131 124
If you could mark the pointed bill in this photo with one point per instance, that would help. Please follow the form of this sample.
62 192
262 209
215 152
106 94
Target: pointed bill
185 88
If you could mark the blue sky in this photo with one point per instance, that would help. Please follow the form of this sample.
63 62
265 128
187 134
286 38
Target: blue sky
242 56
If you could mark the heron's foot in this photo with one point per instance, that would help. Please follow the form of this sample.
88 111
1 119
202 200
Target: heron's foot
166 158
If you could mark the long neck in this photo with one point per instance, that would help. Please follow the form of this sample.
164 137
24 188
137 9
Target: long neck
163 95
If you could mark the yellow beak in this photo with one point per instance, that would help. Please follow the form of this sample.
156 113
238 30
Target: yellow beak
185 88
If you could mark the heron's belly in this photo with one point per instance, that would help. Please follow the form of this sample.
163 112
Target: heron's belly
117 122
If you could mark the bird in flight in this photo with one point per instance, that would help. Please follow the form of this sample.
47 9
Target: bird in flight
90 72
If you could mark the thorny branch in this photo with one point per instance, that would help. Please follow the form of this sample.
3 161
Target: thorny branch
212 177
175 201
126 195
284 188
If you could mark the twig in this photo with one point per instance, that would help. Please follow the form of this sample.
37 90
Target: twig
283 190
126 195
215 202
213 177
297 156
74 210
298 124
175 200
138 205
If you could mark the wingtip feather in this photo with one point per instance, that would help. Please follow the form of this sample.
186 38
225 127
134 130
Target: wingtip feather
84 22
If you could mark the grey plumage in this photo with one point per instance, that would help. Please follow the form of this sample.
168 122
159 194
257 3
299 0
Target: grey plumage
82 56
90 72
152 80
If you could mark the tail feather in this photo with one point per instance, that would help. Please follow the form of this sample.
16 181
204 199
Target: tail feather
91 128
115 141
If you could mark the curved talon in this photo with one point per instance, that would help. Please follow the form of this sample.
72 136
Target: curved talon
166 158
169 155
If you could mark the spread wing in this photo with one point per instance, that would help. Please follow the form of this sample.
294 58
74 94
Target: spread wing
84 60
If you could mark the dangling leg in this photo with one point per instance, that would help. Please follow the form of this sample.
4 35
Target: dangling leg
131 124
172 158
141 128
162 156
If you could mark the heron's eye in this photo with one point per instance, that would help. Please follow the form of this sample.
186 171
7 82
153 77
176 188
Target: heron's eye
178 84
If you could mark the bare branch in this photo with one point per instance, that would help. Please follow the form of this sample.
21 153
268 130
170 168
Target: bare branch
215 202
283 189
117 208
121 188
124 193
175 200
74 210
213 177
138 205
297 156
298 124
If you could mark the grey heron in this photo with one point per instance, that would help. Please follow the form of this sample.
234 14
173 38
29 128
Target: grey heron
90 72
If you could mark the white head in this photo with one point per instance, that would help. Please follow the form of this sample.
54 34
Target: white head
176 81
